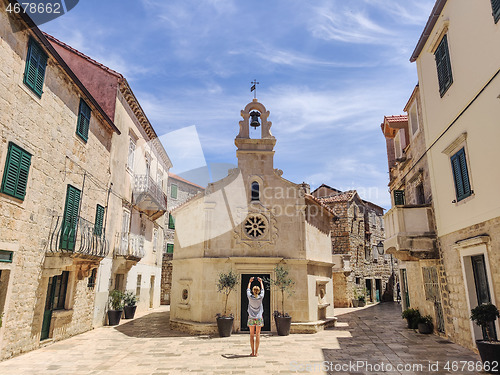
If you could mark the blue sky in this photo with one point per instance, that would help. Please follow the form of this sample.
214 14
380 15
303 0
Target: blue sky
329 70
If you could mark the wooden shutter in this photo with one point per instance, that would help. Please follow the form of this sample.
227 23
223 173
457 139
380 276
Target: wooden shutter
399 197
170 248
99 219
443 66
173 191
36 63
70 218
15 177
495 5
461 175
171 222
84 113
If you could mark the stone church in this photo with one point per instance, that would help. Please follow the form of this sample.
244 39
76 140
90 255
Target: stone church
249 222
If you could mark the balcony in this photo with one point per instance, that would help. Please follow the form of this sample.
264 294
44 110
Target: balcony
130 246
148 197
410 233
77 238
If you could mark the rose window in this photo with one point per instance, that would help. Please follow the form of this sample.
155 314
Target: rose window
255 226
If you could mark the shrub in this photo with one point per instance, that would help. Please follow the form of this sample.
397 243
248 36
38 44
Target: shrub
116 300
412 316
129 298
226 284
483 315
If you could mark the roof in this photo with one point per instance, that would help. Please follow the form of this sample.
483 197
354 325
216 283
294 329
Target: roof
326 186
391 123
431 22
412 96
341 197
46 44
395 119
178 178
320 203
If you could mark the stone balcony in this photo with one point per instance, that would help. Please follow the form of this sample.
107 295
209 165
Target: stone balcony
149 197
130 247
410 233
74 243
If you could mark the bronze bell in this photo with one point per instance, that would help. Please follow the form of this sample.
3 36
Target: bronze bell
255 119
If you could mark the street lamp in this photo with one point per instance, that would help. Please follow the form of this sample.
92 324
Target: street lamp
380 247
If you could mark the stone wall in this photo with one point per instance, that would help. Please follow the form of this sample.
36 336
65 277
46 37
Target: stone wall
45 127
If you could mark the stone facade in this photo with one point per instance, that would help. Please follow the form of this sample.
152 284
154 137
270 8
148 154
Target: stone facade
180 191
356 231
249 222
139 177
45 127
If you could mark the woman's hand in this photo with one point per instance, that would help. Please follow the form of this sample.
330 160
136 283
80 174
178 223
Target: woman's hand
251 279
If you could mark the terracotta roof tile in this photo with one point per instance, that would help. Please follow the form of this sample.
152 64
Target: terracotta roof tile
397 118
341 197
178 178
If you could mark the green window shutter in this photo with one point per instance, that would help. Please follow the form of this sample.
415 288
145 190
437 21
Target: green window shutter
36 63
70 218
173 191
399 197
495 5
99 219
461 175
15 177
171 222
443 65
83 124
170 248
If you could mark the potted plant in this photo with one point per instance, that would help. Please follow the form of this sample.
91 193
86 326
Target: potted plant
284 284
116 310
362 300
130 300
412 317
226 284
355 300
425 325
484 315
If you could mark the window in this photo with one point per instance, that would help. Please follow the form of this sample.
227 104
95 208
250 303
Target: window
443 65
155 239
6 256
131 151
59 286
171 222
461 175
255 190
397 145
375 252
160 178
170 248
138 286
367 253
36 62
413 118
70 218
399 197
495 4
15 175
99 218
420 195
82 127
173 191
92 278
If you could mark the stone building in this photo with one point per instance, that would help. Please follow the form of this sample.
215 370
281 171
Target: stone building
457 60
139 177
249 222
180 190
410 223
360 266
55 158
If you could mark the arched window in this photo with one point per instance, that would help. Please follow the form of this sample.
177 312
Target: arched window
255 191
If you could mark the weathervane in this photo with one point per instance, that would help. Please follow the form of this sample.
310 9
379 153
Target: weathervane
254 88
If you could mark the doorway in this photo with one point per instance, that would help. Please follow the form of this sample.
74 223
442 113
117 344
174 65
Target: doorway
404 289
378 289
244 301
152 292
482 288
369 296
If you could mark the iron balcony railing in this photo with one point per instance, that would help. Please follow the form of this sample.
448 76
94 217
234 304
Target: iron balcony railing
77 236
130 245
146 189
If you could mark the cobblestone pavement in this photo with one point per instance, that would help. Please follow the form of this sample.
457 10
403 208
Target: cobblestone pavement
145 346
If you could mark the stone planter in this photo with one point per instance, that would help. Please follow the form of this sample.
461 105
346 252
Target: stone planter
355 303
114 317
225 326
489 353
425 328
129 312
283 325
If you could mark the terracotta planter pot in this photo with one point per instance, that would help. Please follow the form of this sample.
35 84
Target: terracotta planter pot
225 326
129 312
489 353
114 317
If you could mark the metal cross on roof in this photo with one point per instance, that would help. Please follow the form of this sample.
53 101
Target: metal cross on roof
254 88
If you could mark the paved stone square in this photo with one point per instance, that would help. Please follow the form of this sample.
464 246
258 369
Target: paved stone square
145 346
